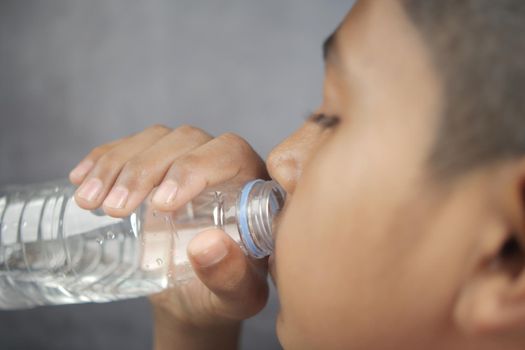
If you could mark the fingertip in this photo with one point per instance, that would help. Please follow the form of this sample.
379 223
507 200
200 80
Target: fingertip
218 260
116 213
73 179
171 206
120 202
88 194
117 198
171 196
162 206
230 278
165 194
80 171
84 204
76 178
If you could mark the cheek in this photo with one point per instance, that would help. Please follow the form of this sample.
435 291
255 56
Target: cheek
340 246
323 252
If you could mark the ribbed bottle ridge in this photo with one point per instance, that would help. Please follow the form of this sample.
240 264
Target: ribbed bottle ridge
54 252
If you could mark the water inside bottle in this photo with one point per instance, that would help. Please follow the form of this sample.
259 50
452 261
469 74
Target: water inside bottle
54 252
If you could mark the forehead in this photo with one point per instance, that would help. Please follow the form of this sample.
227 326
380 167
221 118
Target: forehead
378 54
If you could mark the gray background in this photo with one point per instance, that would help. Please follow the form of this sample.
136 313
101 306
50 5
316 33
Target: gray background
75 74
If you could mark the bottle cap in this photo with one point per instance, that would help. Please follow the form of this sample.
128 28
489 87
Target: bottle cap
259 203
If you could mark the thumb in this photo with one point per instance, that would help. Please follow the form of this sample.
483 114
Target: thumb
238 283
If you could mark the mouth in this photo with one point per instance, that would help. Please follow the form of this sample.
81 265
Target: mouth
277 225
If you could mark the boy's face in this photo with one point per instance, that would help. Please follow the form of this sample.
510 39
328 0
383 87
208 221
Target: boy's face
369 252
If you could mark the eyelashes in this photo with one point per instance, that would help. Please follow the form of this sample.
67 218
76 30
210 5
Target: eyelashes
324 120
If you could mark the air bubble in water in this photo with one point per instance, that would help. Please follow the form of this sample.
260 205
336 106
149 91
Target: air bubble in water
24 224
159 262
110 235
100 240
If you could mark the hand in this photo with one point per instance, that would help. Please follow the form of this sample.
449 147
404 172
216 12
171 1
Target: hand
182 162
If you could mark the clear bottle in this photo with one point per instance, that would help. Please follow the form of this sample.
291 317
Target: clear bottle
54 252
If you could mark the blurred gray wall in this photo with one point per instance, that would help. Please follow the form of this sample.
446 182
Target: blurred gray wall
75 74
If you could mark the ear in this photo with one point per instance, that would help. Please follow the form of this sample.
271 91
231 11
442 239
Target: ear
491 300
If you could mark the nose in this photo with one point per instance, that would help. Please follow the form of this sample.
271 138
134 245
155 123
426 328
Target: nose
285 163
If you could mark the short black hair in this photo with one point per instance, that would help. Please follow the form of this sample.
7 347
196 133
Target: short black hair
478 47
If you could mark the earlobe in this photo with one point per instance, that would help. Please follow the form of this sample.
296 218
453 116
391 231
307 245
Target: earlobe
512 304
479 309
493 301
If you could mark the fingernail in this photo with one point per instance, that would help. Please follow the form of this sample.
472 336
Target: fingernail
117 198
166 192
81 169
90 189
207 250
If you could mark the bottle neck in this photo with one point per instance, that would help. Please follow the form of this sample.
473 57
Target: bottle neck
259 204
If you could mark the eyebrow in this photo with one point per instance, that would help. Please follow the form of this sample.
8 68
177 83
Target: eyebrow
328 46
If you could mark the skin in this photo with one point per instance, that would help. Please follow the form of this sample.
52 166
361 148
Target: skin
389 257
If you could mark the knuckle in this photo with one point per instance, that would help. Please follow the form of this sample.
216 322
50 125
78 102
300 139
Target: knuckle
158 128
186 128
193 131
109 159
136 170
238 143
98 151
231 137
188 160
185 169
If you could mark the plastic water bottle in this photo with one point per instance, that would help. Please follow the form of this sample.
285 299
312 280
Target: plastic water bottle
54 252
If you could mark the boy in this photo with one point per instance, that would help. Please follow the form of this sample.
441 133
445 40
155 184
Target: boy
404 221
